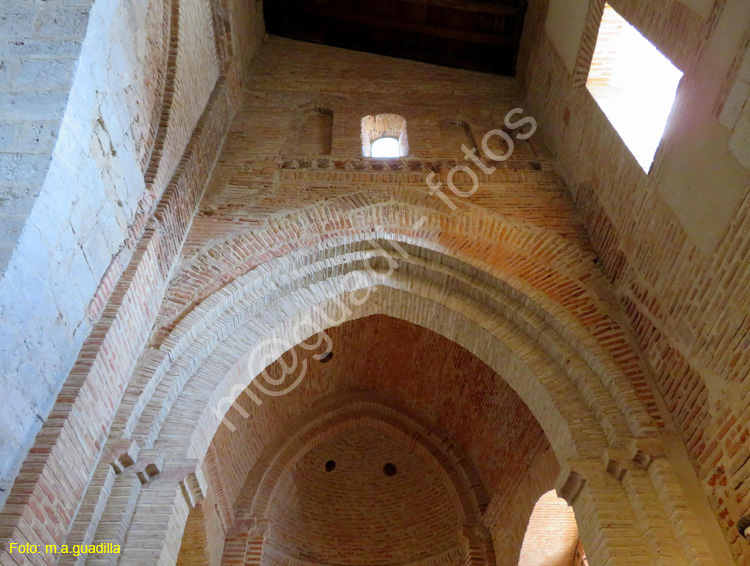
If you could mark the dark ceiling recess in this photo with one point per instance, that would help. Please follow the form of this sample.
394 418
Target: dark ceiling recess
470 34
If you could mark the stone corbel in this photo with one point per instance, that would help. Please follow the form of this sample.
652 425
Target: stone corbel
149 465
121 454
639 454
643 451
191 490
616 461
569 484
188 475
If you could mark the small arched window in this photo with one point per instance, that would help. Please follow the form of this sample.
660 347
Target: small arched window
384 136
386 147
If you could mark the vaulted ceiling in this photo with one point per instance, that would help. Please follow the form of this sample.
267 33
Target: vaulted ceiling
470 34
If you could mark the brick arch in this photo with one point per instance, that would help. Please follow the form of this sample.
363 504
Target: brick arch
527 326
471 232
346 410
384 125
404 298
553 372
170 138
342 411
565 333
549 271
164 83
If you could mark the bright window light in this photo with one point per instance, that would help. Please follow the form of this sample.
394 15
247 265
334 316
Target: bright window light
385 147
634 84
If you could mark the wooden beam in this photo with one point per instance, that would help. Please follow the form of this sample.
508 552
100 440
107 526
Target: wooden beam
347 18
471 6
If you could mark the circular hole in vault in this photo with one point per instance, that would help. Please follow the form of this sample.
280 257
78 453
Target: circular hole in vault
330 466
327 357
390 469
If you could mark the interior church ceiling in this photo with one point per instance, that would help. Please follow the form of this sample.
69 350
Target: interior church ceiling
477 35
549 369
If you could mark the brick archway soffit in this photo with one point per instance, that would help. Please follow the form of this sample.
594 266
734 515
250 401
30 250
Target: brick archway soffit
569 425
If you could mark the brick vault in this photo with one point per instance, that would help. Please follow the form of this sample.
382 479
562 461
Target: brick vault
231 336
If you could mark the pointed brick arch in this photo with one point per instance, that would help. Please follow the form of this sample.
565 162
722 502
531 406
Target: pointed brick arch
553 281
344 411
514 243
499 343
518 321
202 331
522 299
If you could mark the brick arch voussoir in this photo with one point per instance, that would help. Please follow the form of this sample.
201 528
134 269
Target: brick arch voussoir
152 162
470 232
568 424
195 332
165 88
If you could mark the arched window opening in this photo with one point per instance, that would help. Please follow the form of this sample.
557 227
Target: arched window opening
551 537
386 147
315 136
384 136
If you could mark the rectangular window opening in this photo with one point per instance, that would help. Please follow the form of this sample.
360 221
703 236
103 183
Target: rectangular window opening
634 84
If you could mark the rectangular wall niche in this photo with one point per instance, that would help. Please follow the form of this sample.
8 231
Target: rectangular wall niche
634 84
315 137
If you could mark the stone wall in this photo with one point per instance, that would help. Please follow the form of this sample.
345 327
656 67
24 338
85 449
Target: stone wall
38 57
89 191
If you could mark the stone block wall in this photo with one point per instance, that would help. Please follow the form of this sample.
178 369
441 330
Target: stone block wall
38 57
81 194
